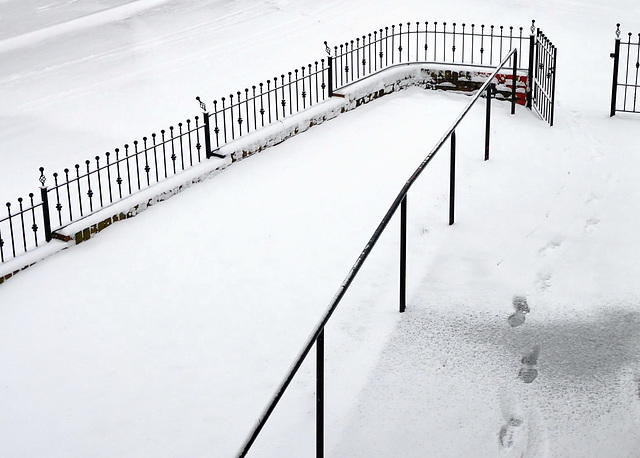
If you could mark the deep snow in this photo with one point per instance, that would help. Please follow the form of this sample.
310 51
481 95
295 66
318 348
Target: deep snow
167 334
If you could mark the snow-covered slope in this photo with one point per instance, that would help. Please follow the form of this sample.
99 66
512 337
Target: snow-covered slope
166 334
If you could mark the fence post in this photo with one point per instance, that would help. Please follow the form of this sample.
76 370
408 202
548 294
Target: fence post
487 133
403 254
320 395
452 179
532 50
330 79
207 131
46 217
616 60
513 82
330 69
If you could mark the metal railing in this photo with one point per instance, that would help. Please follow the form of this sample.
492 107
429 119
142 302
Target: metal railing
418 42
317 336
629 87
93 184
98 183
251 109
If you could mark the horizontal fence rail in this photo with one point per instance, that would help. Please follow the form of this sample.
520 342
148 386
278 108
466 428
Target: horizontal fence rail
626 55
317 336
473 45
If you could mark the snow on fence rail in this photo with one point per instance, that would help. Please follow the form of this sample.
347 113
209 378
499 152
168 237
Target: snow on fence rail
89 186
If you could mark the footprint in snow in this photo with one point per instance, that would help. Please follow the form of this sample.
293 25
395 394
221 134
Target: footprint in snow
528 372
521 309
590 225
512 436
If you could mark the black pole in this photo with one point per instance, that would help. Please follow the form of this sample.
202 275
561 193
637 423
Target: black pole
513 83
320 395
207 136
452 179
614 87
532 42
403 254
45 213
44 195
487 133
330 79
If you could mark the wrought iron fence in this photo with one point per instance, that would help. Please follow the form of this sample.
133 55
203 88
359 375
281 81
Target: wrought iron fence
265 103
630 61
463 44
20 230
317 337
96 183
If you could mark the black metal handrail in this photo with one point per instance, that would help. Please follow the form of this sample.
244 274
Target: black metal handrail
317 335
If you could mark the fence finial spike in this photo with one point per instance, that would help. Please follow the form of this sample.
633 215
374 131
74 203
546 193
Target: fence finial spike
533 26
617 30
327 49
203 106
42 178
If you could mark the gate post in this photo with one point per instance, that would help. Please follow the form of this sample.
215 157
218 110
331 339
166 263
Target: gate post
330 65
616 60
46 217
532 50
553 85
513 82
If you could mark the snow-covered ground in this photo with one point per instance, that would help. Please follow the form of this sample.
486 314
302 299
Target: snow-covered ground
166 334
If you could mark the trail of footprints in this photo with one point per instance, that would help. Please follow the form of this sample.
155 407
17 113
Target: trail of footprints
511 435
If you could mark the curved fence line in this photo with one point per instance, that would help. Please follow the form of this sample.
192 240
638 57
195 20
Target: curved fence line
76 192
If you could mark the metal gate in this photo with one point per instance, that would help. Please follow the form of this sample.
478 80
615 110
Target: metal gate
544 77
631 65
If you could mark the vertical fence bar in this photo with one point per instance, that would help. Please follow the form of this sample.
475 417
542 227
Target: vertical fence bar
320 395
616 62
452 179
403 255
487 133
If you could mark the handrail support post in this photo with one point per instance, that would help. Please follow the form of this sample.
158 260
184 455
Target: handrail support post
320 395
403 254
452 179
487 134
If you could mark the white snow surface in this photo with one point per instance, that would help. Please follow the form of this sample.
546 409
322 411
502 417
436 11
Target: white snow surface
167 334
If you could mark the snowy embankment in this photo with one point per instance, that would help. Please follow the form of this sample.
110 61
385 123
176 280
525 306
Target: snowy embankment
166 335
